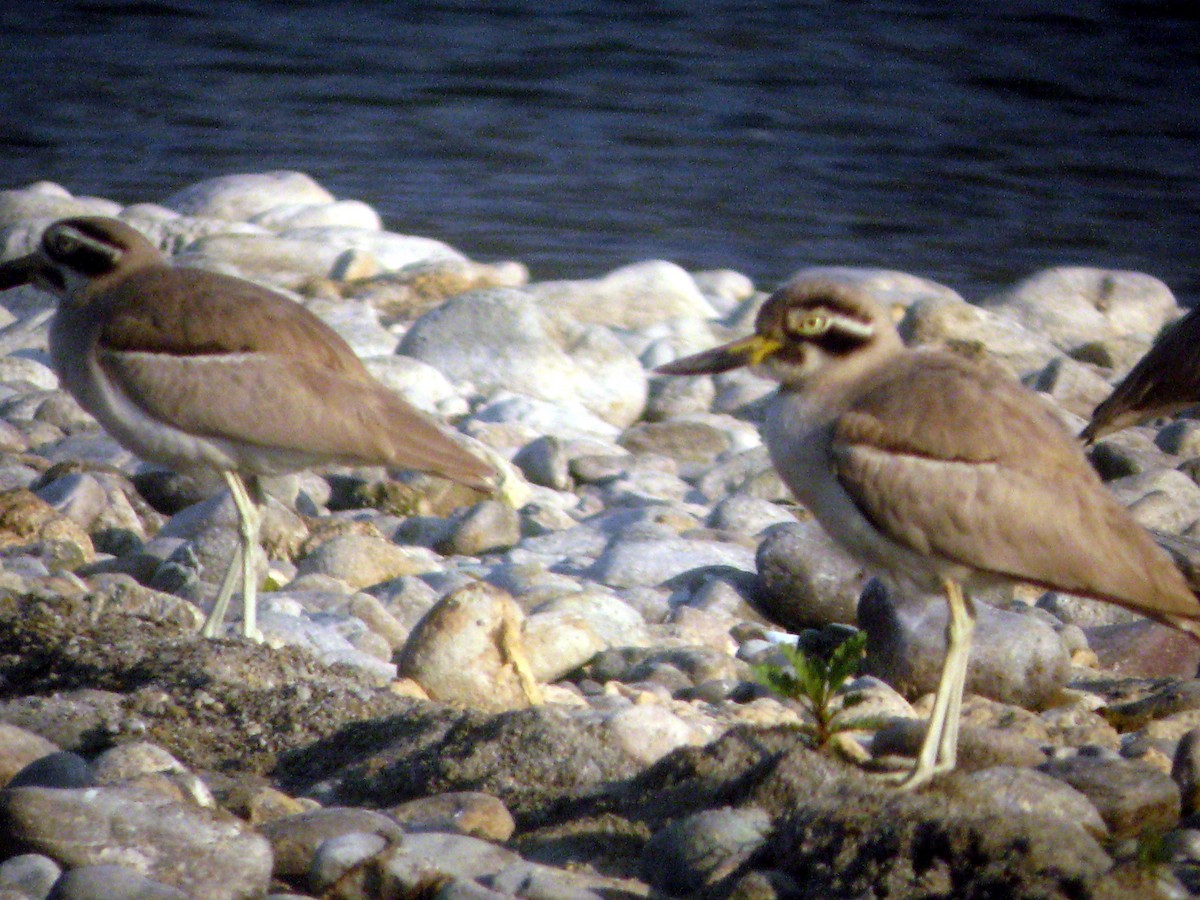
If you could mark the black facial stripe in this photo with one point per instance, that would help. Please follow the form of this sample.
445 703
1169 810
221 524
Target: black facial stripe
836 342
72 247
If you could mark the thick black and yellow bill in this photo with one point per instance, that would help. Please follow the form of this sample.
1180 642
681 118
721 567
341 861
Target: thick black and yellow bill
19 271
747 351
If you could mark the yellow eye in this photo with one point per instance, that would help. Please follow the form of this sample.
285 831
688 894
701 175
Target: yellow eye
807 324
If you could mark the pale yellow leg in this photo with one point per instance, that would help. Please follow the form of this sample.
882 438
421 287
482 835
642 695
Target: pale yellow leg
939 749
249 522
212 625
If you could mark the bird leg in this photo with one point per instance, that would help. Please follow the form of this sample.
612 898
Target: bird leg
939 749
249 523
213 623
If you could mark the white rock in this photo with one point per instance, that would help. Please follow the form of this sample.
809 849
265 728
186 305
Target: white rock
499 339
633 296
237 198
392 251
357 324
1072 305
956 323
20 368
264 257
341 213
40 203
631 561
419 383
649 732
464 650
566 420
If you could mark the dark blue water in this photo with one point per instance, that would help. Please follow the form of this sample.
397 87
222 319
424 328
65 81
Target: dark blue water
972 146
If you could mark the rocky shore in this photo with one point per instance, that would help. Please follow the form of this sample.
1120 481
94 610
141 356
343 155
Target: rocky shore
640 557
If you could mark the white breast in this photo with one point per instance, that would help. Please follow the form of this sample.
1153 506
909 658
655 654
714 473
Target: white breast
72 353
799 434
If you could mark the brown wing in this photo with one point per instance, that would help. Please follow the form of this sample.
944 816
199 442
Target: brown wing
954 459
276 402
1164 381
197 313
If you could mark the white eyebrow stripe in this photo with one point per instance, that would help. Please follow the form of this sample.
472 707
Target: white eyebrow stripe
852 327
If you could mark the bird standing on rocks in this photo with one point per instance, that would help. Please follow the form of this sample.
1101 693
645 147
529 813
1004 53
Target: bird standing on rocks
196 370
938 471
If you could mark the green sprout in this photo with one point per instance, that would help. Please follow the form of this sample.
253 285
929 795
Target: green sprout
813 681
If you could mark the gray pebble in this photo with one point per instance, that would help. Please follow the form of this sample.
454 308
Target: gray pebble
1015 658
701 849
30 873
340 854
1129 795
106 881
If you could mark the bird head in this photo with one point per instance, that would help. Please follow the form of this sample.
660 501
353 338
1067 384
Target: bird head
803 328
78 253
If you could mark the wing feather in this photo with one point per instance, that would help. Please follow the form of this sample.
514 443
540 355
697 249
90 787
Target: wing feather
960 462
274 402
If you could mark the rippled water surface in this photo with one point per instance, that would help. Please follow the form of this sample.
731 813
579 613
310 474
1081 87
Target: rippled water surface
972 146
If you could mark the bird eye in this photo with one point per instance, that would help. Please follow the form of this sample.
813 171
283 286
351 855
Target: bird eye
60 242
804 323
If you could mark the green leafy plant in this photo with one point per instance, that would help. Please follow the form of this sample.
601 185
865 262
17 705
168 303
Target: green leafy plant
813 681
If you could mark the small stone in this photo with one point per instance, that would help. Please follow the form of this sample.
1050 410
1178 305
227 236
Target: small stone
635 561
107 881
464 812
487 527
295 839
425 856
361 561
1144 649
973 330
500 338
559 642
337 858
468 650
743 514
544 461
671 397
693 443
806 579
1130 796
32 874
1015 658
26 521
61 769
1024 791
1084 612
1074 386
19 748
701 849
130 760
343 213
633 296
649 732
1075 304
1171 699
749 472
46 201
1181 438
178 843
